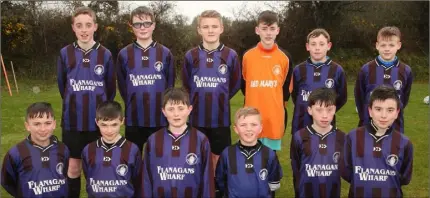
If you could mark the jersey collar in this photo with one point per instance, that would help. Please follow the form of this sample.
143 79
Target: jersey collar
153 44
318 65
249 151
94 47
372 128
379 63
218 49
312 131
180 136
119 143
274 47
52 141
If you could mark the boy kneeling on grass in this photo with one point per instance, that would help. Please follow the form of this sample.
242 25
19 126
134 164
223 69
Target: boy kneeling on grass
248 168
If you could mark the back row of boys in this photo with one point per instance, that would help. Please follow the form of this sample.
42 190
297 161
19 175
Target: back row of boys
212 75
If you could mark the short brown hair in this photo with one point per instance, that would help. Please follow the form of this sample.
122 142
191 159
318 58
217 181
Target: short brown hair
322 96
246 111
142 10
384 92
84 10
39 110
209 14
387 32
317 32
109 110
268 18
176 96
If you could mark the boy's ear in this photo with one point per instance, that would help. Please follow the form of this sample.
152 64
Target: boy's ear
329 44
190 108
235 129
257 31
27 126
310 110
96 26
164 112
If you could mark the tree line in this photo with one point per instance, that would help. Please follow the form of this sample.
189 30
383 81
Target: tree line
33 32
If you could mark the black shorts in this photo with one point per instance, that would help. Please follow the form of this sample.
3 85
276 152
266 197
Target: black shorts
219 138
139 135
77 140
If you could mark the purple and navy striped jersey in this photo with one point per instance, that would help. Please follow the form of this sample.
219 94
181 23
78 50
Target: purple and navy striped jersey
374 73
143 75
30 170
248 173
112 171
177 166
85 79
376 166
212 78
314 160
308 77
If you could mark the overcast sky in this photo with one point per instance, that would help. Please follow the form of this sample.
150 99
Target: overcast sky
193 8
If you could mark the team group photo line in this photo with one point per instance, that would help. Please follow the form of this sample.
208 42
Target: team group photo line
177 140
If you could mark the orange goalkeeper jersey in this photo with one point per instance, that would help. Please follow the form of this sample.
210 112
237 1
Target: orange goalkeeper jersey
267 76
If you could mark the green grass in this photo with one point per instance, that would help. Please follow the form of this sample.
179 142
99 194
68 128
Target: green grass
416 119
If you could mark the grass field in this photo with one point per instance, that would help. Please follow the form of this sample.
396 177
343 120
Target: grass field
416 119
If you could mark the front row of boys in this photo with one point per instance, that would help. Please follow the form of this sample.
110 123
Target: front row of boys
375 159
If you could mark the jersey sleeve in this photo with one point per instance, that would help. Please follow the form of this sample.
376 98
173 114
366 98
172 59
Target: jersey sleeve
121 74
85 162
137 176
406 168
341 90
360 95
275 173
171 74
235 76
61 75
345 163
9 175
407 90
146 182
243 76
186 72
110 78
295 153
286 87
295 85
221 174
207 183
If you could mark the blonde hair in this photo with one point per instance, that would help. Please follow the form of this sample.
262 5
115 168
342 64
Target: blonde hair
246 111
209 14
317 32
84 10
387 32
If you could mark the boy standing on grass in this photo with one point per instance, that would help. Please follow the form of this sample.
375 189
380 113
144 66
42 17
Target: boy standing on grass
37 166
377 158
86 78
211 75
177 159
385 69
248 168
317 71
267 73
316 149
111 164
144 70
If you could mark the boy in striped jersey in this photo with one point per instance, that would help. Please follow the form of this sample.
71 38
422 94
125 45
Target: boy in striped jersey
317 71
144 70
316 149
248 168
177 159
385 69
111 164
86 78
211 75
377 158
37 166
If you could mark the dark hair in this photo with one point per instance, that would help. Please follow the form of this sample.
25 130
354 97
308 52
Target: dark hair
176 95
268 18
322 96
142 10
39 110
109 110
84 10
382 93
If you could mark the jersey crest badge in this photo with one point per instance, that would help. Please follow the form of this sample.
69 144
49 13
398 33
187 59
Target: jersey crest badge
158 66
59 168
263 174
392 160
222 69
336 156
122 169
99 69
329 83
397 84
276 69
191 159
